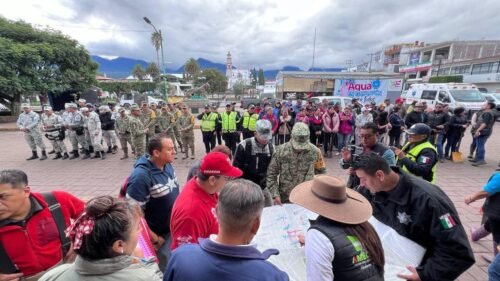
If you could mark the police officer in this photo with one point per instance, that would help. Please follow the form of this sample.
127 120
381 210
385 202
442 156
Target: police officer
208 121
218 125
185 124
418 157
28 122
229 120
137 131
54 131
249 120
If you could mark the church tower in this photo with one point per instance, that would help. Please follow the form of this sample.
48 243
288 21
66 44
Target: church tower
229 66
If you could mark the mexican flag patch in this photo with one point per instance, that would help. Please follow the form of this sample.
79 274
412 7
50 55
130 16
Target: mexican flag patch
447 221
424 160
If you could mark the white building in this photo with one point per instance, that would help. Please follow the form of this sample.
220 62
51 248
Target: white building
236 75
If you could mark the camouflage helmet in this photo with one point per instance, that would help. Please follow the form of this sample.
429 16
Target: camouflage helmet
300 136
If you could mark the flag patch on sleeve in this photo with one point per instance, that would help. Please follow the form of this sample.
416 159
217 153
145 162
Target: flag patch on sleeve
424 160
447 221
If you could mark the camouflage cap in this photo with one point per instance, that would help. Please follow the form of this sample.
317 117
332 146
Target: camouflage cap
300 136
25 105
121 109
134 107
72 105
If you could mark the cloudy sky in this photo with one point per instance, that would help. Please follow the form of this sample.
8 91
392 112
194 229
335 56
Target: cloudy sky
259 33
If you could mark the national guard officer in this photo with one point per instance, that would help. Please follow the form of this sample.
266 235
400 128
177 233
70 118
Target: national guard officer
166 123
148 118
76 131
208 121
122 126
93 125
176 113
249 120
186 128
108 128
28 122
137 131
54 131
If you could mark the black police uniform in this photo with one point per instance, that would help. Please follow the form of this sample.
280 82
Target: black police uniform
420 168
421 212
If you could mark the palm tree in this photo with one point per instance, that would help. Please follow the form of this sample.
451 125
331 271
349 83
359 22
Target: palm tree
156 41
191 67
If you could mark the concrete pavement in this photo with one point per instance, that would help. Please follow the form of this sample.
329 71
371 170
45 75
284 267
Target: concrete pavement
88 178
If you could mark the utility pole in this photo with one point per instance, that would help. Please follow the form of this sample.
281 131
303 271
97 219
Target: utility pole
314 48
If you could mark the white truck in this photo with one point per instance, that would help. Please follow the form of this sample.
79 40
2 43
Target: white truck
454 94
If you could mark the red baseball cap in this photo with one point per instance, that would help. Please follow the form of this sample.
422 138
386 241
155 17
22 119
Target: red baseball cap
218 164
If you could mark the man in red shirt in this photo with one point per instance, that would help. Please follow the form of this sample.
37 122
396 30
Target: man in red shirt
193 214
30 240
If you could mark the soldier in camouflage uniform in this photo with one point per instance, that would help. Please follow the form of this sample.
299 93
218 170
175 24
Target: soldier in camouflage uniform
186 127
154 107
53 127
93 125
285 171
122 127
176 113
76 130
29 122
166 123
137 131
148 118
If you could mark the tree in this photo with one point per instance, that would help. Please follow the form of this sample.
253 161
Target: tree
138 72
154 71
156 41
40 60
239 88
262 78
191 68
253 77
216 80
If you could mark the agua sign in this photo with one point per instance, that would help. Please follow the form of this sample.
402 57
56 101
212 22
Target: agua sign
365 91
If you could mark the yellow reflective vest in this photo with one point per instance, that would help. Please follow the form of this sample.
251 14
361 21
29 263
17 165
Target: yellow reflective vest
413 154
228 122
208 122
250 121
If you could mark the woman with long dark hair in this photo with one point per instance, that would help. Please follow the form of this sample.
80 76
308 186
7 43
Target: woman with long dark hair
105 238
315 126
340 243
455 130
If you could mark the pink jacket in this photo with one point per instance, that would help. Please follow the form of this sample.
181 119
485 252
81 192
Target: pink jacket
345 126
331 123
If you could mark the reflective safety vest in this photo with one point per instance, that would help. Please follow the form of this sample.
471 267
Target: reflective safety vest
208 122
250 121
228 122
413 156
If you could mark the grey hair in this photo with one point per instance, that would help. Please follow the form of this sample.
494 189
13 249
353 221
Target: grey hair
17 178
240 202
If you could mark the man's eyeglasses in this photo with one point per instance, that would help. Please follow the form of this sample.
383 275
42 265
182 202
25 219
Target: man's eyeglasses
365 136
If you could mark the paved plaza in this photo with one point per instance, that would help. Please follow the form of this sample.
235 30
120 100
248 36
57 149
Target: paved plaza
88 178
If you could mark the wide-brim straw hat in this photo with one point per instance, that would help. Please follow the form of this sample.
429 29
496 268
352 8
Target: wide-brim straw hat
329 197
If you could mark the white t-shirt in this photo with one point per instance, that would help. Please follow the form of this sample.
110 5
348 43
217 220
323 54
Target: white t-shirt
319 256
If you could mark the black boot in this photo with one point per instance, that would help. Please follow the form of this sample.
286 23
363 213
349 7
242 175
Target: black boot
97 155
75 155
91 149
34 156
44 155
87 154
52 152
109 150
58 156
65 156
102 155
115 148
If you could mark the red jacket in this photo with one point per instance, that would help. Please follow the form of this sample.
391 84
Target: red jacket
36 247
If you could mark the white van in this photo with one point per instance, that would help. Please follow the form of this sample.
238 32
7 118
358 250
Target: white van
454 94
343 101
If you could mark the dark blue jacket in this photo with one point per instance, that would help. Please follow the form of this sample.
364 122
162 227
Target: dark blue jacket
156 191
212 261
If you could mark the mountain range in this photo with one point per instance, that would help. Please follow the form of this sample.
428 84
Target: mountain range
121 67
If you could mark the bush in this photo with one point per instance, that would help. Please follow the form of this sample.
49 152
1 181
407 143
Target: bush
118 87
447 79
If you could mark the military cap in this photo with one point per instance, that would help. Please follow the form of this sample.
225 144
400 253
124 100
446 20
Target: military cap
300 136
134 107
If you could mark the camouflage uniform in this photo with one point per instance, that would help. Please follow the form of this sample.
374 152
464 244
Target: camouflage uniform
186 127
137 135
52 125
77 132
148 118
177 113
285 172
166 123
93 125
122 127
33 137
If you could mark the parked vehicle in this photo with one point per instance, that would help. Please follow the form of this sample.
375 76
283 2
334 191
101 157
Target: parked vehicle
454 94
494 97
343 101
127 99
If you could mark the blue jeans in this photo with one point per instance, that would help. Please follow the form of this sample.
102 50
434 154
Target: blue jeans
480 142
438 143
343 140
494 269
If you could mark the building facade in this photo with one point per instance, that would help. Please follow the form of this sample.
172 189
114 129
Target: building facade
236 75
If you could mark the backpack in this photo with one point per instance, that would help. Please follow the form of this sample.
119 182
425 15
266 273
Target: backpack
6 264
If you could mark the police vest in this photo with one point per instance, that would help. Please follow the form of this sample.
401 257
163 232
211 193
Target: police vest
228 122
413 156
208 122
250 121
351 261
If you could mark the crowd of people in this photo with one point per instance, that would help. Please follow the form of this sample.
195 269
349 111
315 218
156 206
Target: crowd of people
211 221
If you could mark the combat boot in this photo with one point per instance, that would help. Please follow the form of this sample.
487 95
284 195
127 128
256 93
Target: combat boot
52 152
87 154
97 155
91 149
115 149
58 156
65 156
102 155
109 150
125 154
44 155
34 156
75 155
